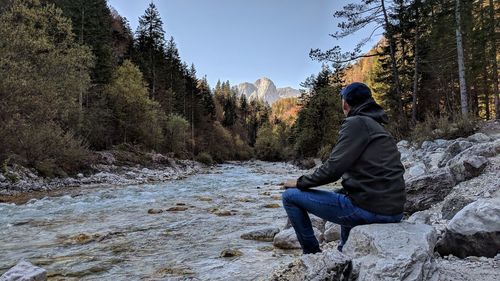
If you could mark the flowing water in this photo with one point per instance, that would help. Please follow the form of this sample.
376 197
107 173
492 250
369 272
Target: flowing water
106 233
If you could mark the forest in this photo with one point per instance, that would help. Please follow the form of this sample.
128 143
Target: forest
74 79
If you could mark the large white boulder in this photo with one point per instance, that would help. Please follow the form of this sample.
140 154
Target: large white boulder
399 252
473 231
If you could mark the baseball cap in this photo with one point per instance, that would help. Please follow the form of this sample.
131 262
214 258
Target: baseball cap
356 93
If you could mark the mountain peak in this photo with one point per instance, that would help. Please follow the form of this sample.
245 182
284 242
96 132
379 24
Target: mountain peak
265 90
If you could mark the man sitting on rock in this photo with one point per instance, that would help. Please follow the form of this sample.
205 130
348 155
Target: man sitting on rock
367 159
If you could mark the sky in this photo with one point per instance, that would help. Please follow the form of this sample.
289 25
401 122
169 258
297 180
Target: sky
243 40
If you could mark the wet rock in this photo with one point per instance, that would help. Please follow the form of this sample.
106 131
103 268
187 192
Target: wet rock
207 199
228 253
467 166
173 271
246 199
24 271
265 248
473 231
271 206
264 234
223 213
287 239
332 232
425 190
399 252
83 238
155 211
177 209
479 137
453 205
330 265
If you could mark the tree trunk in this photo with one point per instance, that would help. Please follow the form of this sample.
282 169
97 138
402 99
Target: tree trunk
493 55
415 74
461 64
485 87
395 72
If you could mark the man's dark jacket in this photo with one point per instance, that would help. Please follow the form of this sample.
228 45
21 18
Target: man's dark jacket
367 159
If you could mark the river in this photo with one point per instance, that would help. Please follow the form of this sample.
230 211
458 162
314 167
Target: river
106 232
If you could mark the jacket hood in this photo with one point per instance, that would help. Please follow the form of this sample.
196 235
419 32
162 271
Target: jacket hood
371 109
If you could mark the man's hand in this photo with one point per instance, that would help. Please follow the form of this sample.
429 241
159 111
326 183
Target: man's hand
290 184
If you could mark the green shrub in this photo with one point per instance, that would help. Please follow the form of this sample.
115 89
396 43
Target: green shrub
204 158
443 127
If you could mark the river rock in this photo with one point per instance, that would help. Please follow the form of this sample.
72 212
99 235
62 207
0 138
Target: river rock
24 271
264 234
416 170
396 251
287 239
425 190
453 205
421 217
332 232
155 211
328 265
473 231
453 150
316 222
467 166
228 253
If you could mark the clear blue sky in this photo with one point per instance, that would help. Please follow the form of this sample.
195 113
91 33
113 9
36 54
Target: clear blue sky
243 40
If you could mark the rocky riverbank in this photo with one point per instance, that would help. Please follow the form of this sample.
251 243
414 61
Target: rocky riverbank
18 184
452 229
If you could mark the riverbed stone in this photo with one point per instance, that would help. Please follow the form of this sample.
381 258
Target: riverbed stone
421 217
473 231
391 252
177 208
328 265
263 234
478 137
427 189
271 205
155 211
451 206
465 166
287 239
453 150
24 271
228 253
332 232
416 170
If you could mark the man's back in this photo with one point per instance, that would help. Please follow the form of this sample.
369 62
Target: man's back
375 180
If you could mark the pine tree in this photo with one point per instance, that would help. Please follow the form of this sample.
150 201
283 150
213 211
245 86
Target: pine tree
150 47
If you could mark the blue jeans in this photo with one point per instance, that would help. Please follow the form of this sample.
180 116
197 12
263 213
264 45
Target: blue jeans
330 206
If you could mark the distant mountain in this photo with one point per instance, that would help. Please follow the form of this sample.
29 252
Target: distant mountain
264 90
